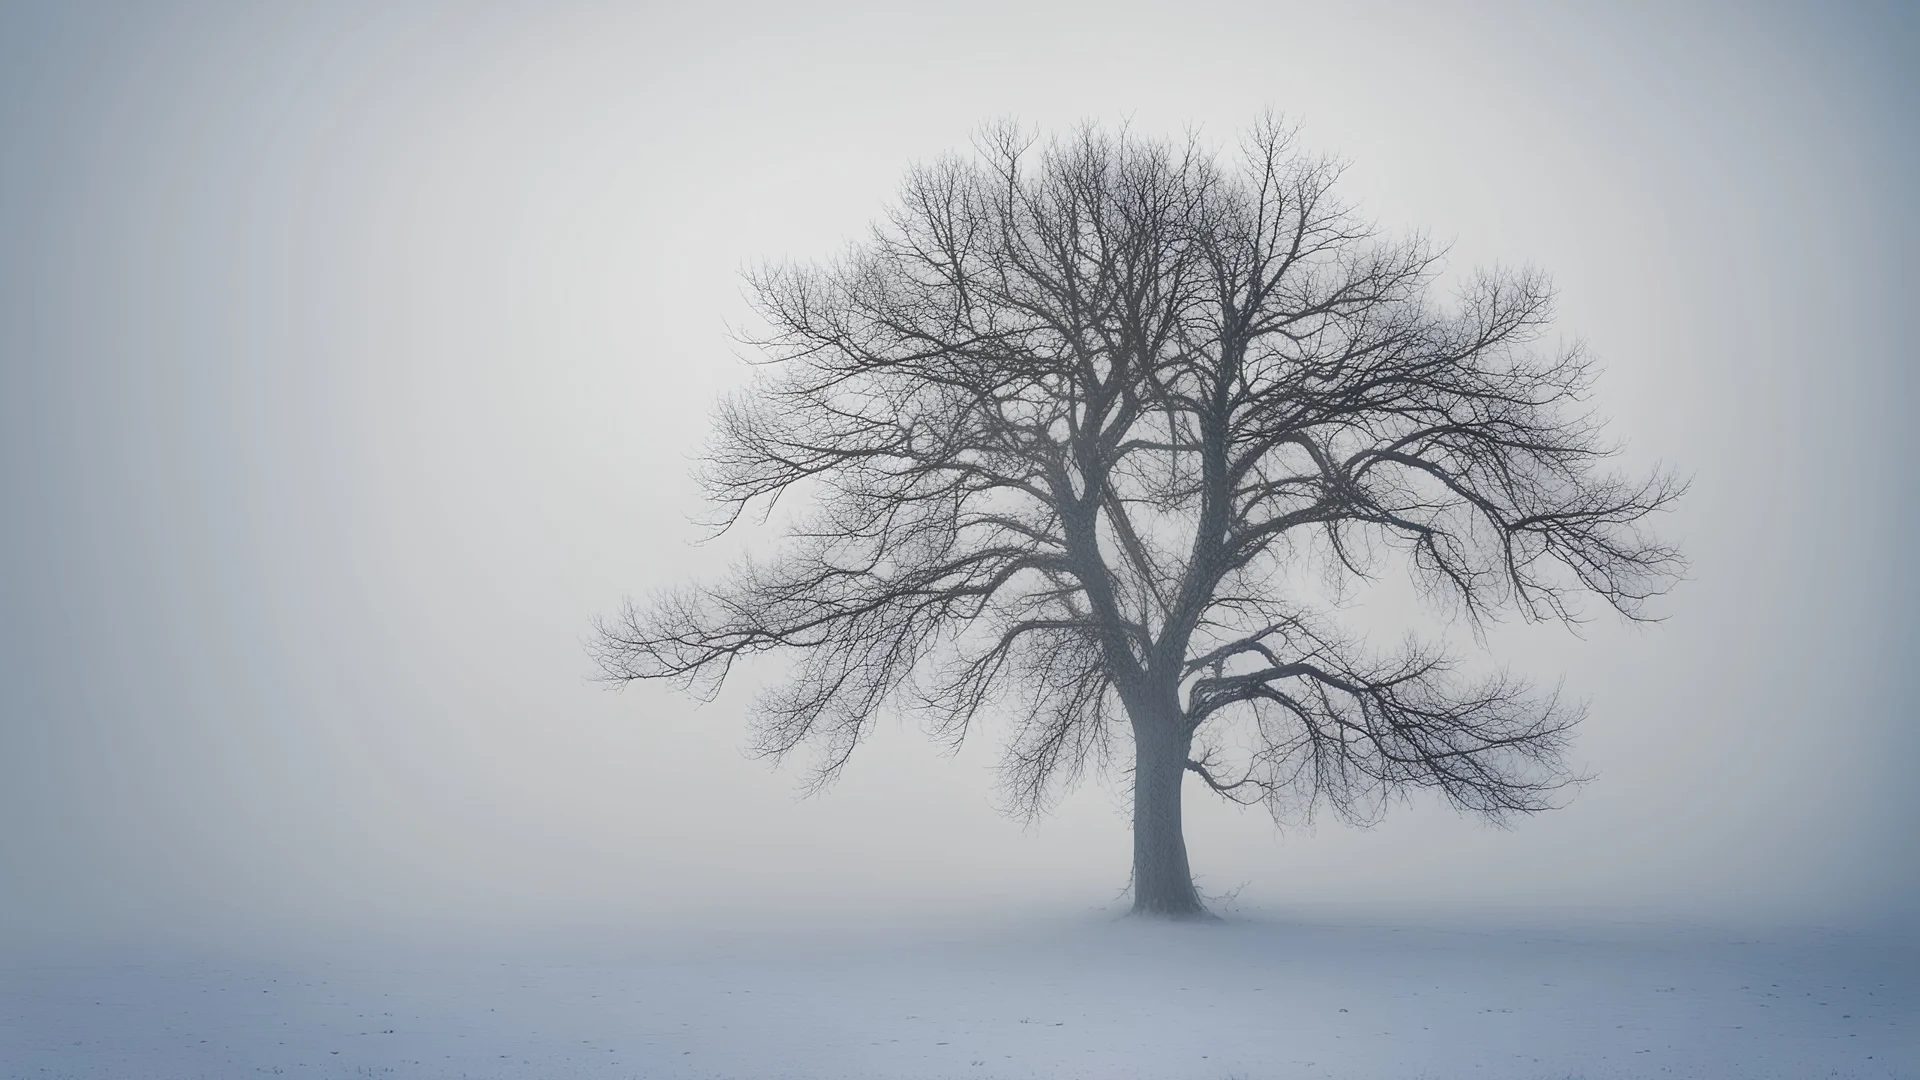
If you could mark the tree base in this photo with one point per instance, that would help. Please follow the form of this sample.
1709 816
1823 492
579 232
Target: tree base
1183 905
1188 915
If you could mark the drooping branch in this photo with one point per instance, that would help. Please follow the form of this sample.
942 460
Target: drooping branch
1337 729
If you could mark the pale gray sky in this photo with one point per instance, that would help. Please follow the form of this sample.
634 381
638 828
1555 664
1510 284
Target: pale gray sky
352 359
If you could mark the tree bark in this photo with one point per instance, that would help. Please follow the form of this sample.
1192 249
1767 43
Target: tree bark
1162 880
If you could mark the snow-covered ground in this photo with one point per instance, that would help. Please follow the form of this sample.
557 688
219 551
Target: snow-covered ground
1089 997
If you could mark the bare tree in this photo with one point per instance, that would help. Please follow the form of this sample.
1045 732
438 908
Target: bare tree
1067 423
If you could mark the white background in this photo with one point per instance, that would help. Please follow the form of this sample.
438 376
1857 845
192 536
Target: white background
354 360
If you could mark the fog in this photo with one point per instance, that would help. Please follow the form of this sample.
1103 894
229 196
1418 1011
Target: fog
353 359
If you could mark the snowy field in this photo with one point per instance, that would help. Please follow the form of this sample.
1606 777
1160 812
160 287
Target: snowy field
1088 997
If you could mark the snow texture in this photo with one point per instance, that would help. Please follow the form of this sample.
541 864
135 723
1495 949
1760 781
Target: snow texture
1247 998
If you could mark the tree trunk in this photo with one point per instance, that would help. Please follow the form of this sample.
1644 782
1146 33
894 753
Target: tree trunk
1162 881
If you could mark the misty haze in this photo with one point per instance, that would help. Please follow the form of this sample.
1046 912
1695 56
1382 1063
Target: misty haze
1237 541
